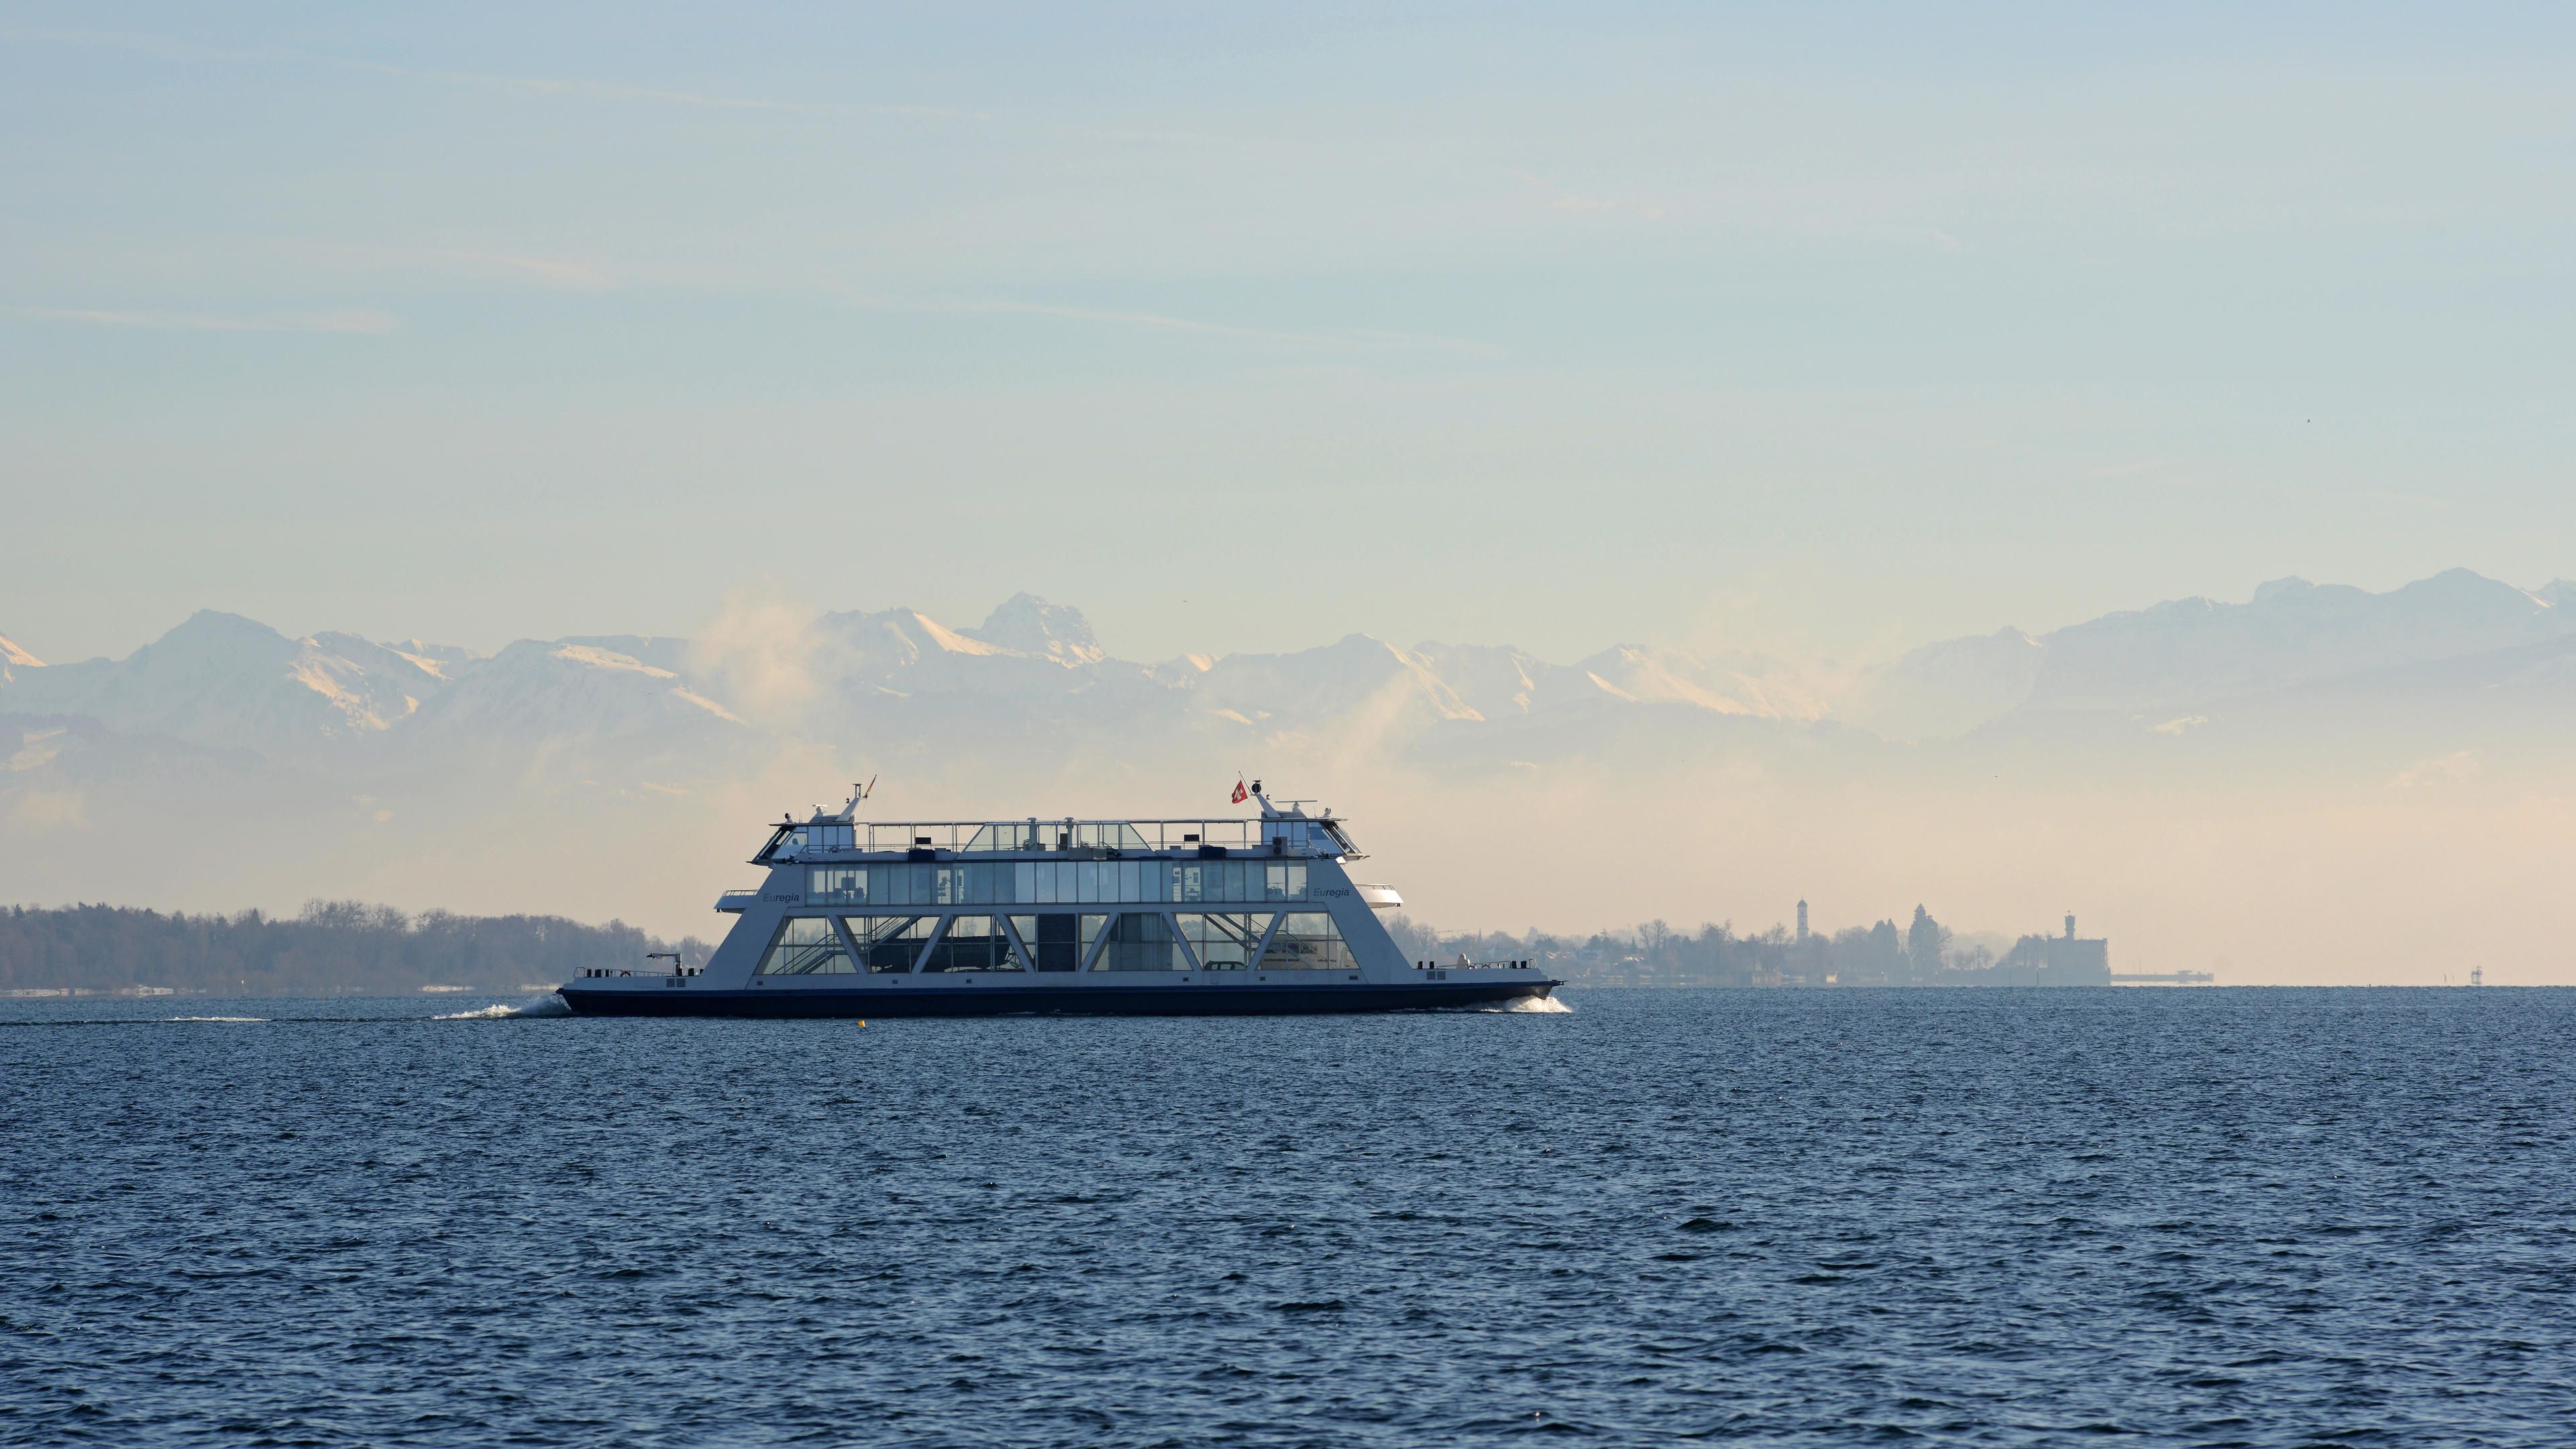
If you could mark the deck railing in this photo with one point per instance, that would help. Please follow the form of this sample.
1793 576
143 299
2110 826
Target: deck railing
1023 836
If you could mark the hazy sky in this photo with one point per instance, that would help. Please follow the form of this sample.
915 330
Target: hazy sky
1803 327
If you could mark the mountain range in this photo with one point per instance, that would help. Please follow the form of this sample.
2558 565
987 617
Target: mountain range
2173 761
1032 676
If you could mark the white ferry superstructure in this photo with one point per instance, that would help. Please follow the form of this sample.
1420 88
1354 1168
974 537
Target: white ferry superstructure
1098 917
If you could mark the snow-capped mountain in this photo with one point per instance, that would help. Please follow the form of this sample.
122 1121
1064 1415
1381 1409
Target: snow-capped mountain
1034 677
2188 653
581 706
14 658
622 774
224 681
1355 678
1028 624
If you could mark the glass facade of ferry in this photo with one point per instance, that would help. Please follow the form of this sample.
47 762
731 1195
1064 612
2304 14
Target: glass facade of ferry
1293 834
1197 916
1055 882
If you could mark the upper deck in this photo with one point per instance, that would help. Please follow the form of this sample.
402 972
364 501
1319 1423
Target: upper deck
1276 832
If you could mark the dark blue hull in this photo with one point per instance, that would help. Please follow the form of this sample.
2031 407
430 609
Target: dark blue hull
1256 1000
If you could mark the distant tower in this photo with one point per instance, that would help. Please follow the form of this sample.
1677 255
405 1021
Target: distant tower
2070 925
2477 976
1802 920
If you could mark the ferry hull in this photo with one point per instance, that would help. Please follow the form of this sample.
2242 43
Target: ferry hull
1274 1000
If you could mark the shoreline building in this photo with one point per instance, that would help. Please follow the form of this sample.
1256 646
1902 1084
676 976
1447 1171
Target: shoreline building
2071 960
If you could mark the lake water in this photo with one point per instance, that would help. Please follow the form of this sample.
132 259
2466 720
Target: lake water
1992 1217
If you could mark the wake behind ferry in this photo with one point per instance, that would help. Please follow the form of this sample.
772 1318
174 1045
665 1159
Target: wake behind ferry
1095 917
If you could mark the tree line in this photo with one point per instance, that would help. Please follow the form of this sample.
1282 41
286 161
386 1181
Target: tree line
1921 953
330 948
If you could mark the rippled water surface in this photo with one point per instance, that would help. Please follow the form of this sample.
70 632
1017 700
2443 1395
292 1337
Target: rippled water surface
2214 1217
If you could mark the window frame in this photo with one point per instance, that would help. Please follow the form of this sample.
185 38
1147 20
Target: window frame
859 956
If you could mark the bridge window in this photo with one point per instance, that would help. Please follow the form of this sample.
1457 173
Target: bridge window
1008 835
1055 882
889 943
1046 883
1224 942
972 943
1142 941
1241 880
827 885
892 885
1307 941
806 946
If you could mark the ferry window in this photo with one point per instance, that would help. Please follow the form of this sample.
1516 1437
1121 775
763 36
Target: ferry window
1086 881
1307 941
1005 835
1276 884
1297 881
1090 929
900 885
1223 941
1142 941
835 886
889 943
971 943
1131 880
1052 939
1189 883
1236 887
806 946
1014 944
965 885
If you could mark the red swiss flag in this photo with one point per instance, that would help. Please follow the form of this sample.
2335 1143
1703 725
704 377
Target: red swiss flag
1241 794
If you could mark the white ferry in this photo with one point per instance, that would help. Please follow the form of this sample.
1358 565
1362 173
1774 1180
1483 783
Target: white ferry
1109 917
